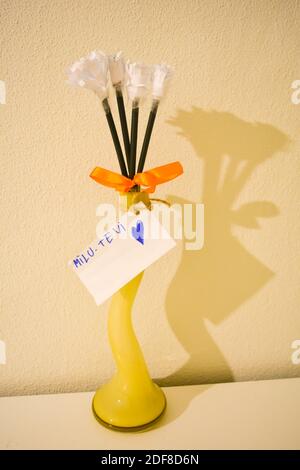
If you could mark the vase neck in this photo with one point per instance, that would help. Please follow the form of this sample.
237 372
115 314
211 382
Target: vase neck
126 350
126 200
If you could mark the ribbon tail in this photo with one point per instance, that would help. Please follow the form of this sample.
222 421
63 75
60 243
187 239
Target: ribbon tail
111 179
158 175
149 190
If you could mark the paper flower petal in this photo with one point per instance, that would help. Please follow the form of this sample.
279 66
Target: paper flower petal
137 80
161 73
117 68
90 72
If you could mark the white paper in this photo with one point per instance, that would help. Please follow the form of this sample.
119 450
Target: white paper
131 245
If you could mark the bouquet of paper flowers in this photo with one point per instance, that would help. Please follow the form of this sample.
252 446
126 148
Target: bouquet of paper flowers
139 80
131 400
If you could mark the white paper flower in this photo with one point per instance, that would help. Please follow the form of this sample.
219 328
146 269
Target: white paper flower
137 80
117 68
91 72
161 73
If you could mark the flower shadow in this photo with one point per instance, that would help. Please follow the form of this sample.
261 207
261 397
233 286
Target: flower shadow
210 284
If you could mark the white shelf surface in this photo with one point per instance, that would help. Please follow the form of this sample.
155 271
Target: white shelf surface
245 415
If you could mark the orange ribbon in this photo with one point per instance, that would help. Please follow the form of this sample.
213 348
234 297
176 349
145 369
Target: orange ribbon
150 179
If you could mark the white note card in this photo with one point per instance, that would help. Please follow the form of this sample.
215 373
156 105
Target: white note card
132 244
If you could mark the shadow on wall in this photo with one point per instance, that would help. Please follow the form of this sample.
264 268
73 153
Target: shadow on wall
213 282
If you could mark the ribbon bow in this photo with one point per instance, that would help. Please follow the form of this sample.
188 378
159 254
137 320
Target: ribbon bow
150 179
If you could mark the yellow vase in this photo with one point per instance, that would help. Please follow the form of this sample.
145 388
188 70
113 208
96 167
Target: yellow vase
130 400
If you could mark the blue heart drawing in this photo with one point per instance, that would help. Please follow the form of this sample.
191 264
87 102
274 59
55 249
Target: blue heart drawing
138 232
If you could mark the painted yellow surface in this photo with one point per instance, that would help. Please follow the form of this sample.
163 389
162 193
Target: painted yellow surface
227 312
130 399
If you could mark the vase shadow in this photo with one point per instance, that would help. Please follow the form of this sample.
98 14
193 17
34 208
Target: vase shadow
211 283
178 399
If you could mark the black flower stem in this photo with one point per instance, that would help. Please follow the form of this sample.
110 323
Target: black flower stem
115 137
147 137
133 137
123 121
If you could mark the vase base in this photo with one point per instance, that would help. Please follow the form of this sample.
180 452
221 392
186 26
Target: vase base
138 428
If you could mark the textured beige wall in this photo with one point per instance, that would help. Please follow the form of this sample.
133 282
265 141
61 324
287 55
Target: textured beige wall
228 312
